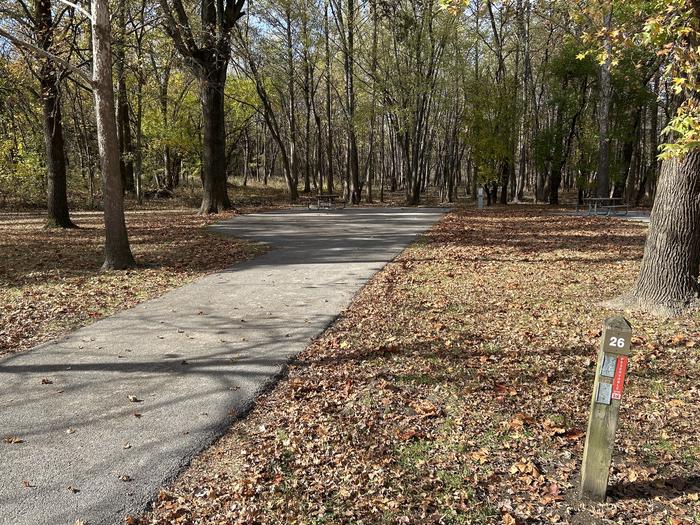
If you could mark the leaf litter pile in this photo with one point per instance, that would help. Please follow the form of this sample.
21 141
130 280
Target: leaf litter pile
50 280
455 389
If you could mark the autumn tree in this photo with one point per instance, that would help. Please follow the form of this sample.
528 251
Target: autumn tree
208 57
668 278
39 19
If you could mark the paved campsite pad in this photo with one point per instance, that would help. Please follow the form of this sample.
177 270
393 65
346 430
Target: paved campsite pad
191 361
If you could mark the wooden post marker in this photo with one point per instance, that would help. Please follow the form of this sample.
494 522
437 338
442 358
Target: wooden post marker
613 358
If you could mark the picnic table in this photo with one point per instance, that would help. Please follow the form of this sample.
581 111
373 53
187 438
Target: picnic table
328 201
605 206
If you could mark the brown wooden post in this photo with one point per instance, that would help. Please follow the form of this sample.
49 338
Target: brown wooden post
613 358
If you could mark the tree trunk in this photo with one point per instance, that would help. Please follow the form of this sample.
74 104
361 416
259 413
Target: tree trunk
668 278
505 175
603 176
329 108
57 188
126 162
117 250
649 176
215 197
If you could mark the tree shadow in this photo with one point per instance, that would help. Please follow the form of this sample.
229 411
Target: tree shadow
653 488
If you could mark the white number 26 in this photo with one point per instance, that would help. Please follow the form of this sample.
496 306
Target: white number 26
619 342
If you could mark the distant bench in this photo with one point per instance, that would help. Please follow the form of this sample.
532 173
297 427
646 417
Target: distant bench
605 206
327 201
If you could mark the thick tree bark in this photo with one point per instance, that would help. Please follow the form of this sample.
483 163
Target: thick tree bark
117 250
668 278
208 60
57 187
126 158
215 196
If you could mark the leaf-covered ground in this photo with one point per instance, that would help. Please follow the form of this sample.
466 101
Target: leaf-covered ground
50 279
455 389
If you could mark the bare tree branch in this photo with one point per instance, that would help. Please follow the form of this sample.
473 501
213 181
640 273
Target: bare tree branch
78 8
45 54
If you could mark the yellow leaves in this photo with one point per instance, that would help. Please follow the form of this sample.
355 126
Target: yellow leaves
425 408
525 468
481 456
508 519
679 84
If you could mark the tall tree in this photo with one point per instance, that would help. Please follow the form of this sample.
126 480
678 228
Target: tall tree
39 21
605 99
668 278
208 59
126 159
117 250
345 14
57 186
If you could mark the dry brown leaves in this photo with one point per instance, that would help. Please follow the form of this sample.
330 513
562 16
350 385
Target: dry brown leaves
455 389
50 281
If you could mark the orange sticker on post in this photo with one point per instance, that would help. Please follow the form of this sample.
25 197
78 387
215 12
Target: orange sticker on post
618 384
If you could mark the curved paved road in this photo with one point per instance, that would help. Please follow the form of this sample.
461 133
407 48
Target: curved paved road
196 358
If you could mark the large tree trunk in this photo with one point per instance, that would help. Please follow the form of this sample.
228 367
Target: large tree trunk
117 250
603 176
215 196
57 188
126 158
209 61
668 279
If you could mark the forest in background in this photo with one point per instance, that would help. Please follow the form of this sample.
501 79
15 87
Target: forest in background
521 98
349 96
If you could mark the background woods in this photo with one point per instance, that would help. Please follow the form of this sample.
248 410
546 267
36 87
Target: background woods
528 100
524 98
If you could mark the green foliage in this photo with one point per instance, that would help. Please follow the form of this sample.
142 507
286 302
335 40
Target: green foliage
653 32
22 175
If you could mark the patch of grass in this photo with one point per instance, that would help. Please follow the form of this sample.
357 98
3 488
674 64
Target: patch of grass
414 453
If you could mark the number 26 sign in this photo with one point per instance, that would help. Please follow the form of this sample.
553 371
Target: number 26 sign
617 344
